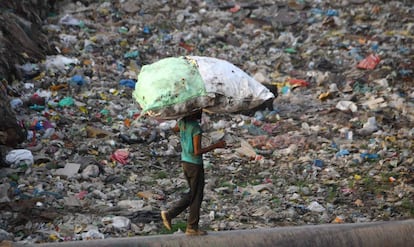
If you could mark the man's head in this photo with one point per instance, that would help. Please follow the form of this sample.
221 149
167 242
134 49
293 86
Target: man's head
194 115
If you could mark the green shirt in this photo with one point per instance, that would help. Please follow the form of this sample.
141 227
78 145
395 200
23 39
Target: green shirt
189 129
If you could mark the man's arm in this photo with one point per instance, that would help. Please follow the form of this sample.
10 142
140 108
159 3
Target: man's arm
198 150
176 128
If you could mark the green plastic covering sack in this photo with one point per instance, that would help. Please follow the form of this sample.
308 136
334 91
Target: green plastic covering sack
170 87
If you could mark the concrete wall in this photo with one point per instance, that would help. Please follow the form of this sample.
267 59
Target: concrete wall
378 234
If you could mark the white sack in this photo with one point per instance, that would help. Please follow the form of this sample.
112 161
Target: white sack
232 88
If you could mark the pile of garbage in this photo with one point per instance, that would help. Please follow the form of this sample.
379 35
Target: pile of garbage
336 147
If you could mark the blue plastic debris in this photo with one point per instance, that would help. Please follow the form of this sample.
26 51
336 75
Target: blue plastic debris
128 83
318 163
369 156
342 152
77 80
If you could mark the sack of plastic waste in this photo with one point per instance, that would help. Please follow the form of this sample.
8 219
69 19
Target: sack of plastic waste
176 86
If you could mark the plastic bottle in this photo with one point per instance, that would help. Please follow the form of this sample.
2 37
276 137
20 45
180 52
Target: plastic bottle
48 133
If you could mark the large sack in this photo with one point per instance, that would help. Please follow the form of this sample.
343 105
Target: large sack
175 87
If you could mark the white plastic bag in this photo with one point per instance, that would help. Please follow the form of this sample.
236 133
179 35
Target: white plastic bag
59 62
232 88
19 157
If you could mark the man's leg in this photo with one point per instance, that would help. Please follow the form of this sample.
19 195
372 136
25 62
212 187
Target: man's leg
185 200
196 180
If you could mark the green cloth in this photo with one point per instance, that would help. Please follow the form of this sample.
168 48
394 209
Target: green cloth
168 82
189 129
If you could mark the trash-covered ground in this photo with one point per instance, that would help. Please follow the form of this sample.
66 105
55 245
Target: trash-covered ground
336 149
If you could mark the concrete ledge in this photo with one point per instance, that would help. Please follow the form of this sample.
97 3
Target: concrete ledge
389 233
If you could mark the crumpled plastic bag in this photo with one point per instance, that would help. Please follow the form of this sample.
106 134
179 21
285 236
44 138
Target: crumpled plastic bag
19 157
70 21
120 156
346 105
59 62
369 62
